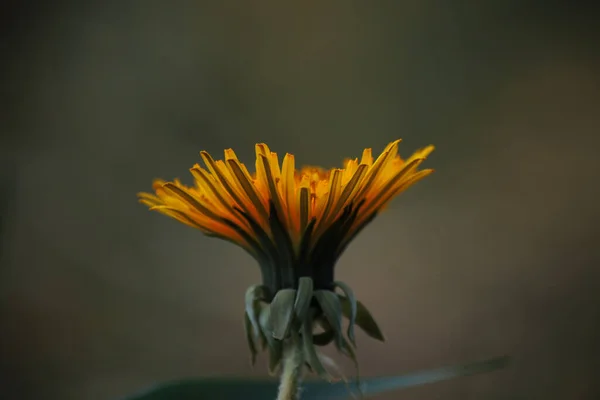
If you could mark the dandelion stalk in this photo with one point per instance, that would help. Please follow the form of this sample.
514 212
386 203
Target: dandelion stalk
291 375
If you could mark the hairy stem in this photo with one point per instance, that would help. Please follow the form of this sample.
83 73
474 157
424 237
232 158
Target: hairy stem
291 375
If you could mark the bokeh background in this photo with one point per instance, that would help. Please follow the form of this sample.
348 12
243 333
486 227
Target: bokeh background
495 254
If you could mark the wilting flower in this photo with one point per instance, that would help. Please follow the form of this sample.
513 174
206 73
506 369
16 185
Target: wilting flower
296 224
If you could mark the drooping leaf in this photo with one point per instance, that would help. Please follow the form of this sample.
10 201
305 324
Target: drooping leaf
378 385
261 389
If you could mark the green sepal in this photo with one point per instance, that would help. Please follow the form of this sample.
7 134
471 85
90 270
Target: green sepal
364 319
275 357
250 338
275 346
310 353
332 310
303 298
264 322
254 295
282 313
347 290
324 338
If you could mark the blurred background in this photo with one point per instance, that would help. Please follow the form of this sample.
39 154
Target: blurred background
495 254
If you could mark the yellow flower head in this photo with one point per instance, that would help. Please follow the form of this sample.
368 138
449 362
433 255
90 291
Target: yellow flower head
294 222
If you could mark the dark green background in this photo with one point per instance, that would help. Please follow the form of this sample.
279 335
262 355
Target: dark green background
496 253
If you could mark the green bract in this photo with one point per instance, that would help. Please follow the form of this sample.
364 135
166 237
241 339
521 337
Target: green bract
299 312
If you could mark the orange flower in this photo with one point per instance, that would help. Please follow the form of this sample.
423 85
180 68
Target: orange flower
294 222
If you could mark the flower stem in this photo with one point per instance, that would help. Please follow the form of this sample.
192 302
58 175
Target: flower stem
291 375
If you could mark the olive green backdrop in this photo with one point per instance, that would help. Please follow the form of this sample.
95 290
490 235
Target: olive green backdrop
496 253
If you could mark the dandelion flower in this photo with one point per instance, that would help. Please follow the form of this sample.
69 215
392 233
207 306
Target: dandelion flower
296 223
